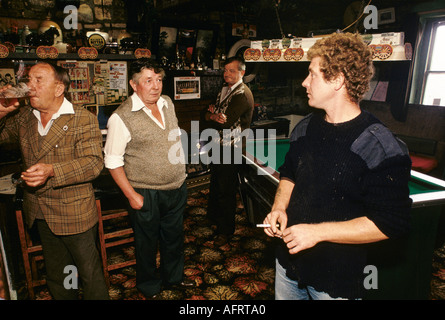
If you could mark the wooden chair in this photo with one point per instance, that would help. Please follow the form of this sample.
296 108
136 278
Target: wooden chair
32 252
113 238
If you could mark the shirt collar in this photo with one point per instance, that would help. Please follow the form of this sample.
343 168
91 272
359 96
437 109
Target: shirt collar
138 104
236 84
65 108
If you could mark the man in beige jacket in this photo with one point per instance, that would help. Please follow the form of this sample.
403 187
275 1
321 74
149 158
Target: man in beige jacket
61 151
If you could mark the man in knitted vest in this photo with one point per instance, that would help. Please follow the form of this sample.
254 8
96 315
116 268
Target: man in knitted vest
344 182
137 155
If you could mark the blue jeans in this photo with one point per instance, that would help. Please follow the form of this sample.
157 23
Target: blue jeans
287 289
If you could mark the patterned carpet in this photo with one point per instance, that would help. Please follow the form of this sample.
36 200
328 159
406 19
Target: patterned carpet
243 269
438 275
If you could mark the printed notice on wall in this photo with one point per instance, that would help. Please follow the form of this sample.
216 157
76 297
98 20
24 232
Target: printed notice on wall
80 78
117 88
118 75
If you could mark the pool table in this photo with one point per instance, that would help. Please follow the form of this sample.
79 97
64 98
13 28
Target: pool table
404 265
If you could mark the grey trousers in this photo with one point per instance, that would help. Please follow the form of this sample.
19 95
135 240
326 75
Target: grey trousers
78 251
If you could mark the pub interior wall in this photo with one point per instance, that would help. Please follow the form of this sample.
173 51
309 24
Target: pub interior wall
277 87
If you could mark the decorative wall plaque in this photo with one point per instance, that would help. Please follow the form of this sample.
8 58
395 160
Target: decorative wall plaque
381 51
142 53
47 52
4 52
293 54
87 53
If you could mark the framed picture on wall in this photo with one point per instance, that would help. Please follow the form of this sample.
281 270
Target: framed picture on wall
167 42
387 16
187 88
7 76
186 44
204 41
192 40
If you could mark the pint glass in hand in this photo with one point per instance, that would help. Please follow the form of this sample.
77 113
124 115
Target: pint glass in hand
14 94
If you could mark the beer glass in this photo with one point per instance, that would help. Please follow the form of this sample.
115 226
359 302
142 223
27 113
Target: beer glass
17 93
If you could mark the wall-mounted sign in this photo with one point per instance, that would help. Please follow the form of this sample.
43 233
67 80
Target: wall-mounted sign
97 41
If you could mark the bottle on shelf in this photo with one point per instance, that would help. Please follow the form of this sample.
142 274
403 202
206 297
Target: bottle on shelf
25 32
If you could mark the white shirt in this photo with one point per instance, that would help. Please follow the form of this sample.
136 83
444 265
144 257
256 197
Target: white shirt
65 108
226 90
118 134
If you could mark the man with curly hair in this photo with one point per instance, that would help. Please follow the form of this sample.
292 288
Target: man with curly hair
344 182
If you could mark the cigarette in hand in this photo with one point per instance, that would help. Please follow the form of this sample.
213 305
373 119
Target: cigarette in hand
266 225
